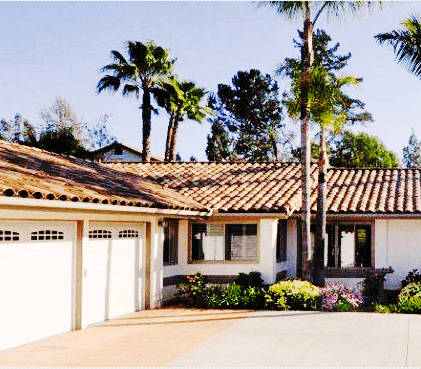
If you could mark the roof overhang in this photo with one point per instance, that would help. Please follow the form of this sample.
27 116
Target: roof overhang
70 205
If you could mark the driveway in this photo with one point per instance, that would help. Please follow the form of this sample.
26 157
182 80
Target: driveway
189 337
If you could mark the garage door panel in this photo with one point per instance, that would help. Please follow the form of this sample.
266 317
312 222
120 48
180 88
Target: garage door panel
40 277
115 270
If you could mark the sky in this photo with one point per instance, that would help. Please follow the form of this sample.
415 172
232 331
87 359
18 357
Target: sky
52 49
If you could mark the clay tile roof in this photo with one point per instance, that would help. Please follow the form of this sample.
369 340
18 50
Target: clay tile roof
33 173
276 187
228 187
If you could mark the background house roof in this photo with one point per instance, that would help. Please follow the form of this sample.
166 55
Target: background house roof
30 172
275 187
99 154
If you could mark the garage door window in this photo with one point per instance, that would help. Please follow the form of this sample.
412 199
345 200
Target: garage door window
47 235
9 236
128 233
100 233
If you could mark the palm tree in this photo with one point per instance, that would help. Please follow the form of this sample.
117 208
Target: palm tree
181 99
147 64
406 44
310 12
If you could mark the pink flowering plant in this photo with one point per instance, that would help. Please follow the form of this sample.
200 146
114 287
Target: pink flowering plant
338 297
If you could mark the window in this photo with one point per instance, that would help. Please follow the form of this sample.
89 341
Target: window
9 236
171 242
47 235
128 233
349 245
99 233
281 241
236 242
118 149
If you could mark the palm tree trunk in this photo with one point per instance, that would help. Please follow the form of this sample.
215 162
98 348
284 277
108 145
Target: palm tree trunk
273 143
307 61
169 137
171 154
146 117
320 239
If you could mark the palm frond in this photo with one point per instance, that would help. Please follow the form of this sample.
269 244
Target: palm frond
131 89
406 44
118 57
291 9
108 83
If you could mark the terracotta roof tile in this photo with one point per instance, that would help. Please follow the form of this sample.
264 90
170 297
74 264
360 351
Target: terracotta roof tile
34 173
227 187
275 187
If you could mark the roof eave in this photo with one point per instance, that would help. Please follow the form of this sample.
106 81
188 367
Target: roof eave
70 205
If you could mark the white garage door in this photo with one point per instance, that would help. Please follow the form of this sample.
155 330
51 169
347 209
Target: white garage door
36 280
115 270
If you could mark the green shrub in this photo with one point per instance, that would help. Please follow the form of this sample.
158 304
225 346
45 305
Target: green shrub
413 277
409 299
232 297
196 290
384 309
298 295
343 305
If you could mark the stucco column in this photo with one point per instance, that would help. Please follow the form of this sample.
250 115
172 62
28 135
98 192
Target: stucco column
183 245
268 231
82 275
156 241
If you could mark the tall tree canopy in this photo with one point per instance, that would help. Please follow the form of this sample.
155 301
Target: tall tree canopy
329 108
406 43
247 120
18 130
146 65
309 12
61 131
362 151
412 152
181 99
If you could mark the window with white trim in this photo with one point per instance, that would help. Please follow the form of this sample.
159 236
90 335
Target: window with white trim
9 235
47 235
219 242
100 233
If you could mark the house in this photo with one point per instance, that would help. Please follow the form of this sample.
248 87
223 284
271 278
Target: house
82 242
118 152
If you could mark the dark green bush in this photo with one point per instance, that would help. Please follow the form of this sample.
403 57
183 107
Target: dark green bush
373 284
298 295
253 279
413 276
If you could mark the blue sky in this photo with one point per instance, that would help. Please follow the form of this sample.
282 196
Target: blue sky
52 49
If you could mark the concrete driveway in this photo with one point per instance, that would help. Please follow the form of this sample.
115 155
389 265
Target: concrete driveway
188 337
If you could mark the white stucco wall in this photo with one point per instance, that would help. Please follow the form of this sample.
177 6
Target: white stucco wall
398 244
